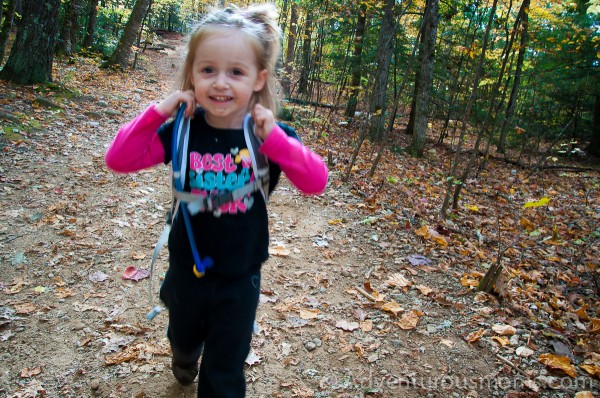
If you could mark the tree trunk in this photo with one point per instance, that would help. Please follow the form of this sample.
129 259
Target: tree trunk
30 59
67 43
359 40
453 183
594 146
7 27
303 89
120 57
88 41
510 108
289 53
423 95
384 56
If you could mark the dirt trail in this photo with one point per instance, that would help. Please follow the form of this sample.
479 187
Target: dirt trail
70 326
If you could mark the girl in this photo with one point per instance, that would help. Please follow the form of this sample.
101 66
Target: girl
229 71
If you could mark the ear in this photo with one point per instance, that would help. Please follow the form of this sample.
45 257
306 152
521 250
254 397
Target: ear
261 80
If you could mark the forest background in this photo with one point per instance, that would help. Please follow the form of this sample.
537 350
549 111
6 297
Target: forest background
473 125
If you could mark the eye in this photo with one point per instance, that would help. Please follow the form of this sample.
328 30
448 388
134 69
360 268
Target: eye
208 69
237 72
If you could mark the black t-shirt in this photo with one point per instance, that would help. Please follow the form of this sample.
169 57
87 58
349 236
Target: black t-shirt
236 235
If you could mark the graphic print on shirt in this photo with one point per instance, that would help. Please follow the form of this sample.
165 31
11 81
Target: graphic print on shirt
219 173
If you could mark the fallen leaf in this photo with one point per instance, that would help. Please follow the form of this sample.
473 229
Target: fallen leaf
347 326
440 240
582 314
467 281
423 232
527 225
39 289
138 256
398 280
593 370
392 307
424 290
409 320
475 336
279 251
366 326
595 325
134 274
531 385
360 352
557 362
524 352
503 341
127 355
309 313
98 276
63 292
584 394
417 260
542 202
448 343
253 358
24 308
504 330
27 372
15 288
297 322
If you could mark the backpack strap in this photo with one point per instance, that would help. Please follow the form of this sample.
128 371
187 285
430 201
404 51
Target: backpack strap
260 163
188 204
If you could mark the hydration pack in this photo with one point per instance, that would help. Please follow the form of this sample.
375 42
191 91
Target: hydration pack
187 204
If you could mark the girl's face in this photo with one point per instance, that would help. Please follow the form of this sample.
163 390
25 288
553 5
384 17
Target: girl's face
225 75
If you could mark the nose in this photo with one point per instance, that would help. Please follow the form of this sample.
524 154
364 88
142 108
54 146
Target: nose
220 81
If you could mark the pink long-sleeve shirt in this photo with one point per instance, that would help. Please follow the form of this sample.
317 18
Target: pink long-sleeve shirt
137 146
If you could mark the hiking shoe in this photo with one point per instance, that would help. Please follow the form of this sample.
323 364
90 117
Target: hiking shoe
184 375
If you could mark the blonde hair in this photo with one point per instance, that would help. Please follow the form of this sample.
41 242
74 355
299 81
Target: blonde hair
259 23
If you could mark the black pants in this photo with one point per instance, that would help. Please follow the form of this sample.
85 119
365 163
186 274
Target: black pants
213 317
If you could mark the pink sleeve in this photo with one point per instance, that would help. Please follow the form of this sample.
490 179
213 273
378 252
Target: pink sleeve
304 168
137 146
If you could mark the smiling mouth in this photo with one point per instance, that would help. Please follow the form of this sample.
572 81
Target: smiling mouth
220 98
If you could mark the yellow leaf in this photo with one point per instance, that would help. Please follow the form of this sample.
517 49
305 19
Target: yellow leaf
542 202
39 289
593 370
503 341
423 231
473 208
582 314
558 362
335 222
440 240
595 325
